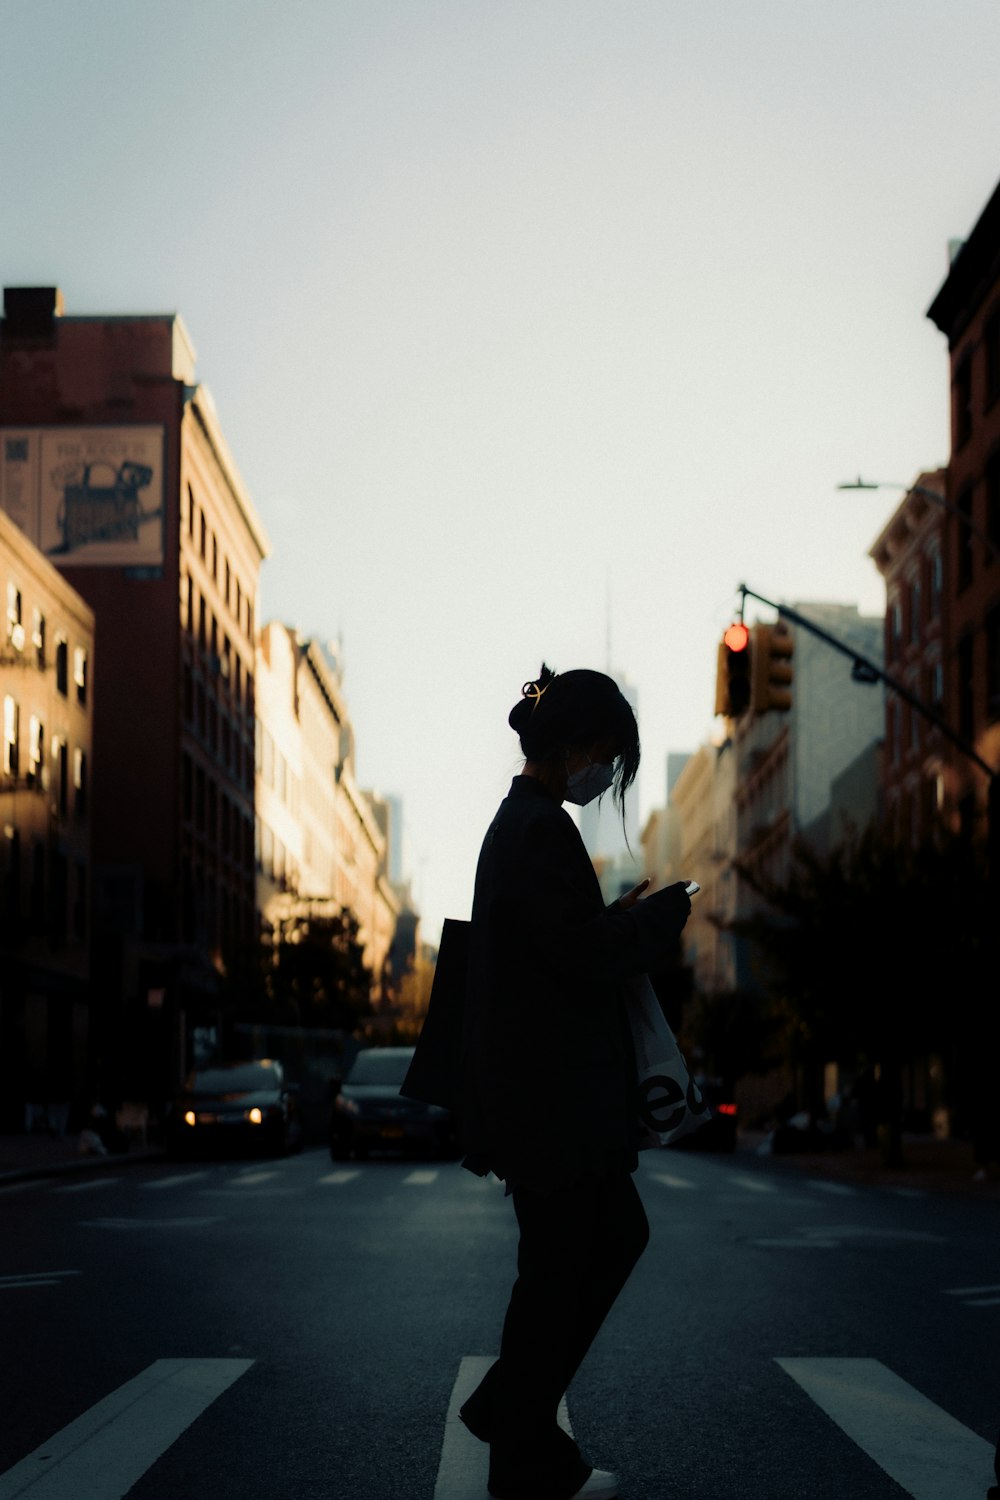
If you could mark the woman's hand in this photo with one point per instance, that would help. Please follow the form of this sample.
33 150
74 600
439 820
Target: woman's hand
632 896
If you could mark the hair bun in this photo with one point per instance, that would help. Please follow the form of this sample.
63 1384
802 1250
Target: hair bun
531 696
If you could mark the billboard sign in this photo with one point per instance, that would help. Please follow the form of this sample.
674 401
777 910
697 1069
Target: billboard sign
86 496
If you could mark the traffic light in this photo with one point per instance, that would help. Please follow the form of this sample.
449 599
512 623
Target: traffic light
732 678
771 674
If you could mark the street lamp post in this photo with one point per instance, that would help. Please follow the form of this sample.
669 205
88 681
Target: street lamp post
929 494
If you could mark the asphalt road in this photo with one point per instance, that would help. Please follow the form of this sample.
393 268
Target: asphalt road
299 1328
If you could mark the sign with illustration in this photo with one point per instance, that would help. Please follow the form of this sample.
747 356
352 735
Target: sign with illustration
86 496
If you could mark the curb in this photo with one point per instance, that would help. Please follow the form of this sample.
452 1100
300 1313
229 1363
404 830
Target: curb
84 1164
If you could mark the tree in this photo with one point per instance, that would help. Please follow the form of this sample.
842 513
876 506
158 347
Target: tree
315 974
871 954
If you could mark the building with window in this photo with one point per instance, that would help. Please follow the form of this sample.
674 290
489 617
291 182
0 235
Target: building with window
113 463
967 310
909 554
323 843
46 688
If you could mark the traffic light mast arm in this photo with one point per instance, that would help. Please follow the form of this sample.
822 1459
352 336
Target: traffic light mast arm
877 674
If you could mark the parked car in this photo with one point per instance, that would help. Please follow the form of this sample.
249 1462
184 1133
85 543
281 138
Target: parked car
370 1114
720 1130
236 1106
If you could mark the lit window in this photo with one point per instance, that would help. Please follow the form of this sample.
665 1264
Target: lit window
80 673
11 717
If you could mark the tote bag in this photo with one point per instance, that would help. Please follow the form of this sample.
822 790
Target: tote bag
670 1103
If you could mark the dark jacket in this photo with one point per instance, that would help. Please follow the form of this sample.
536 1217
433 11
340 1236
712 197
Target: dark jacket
548 1074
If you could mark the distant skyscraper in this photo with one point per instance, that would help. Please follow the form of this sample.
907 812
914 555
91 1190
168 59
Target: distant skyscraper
601 823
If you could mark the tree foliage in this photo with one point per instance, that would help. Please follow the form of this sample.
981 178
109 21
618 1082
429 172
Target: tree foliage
872 952
315 974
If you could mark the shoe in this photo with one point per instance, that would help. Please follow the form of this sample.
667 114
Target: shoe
600 1486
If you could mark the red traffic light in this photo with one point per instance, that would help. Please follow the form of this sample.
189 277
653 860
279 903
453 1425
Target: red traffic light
737 637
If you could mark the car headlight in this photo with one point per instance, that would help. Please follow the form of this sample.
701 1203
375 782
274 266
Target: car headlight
190 1118
346 1106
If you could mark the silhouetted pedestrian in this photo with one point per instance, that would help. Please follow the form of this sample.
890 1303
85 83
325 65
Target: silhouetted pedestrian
549 1083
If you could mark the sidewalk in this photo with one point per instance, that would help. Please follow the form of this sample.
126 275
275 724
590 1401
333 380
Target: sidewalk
930 1165
23 1157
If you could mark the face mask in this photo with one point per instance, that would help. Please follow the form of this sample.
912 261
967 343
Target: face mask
583 786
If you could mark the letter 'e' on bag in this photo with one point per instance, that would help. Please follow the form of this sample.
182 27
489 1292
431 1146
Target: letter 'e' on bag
670 1103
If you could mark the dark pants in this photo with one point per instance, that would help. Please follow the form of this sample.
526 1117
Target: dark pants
577 1248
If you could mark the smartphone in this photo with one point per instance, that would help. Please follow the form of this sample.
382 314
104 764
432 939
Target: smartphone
692 886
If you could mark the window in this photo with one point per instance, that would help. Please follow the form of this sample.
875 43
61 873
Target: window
60 751
11 721
191 508
966 688
993 502
80 674
993 664
38 637
963 401
895 731
15 630
80 783
36 749
935 580
965 538
915 619
203 539
62 665
185 601
937 686
895 627
991 350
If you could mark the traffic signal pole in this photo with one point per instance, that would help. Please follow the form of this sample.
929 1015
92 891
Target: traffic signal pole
867 671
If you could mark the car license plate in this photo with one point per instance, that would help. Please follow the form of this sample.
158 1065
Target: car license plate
392 1132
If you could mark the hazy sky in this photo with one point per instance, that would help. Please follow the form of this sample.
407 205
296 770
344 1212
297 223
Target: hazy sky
513 309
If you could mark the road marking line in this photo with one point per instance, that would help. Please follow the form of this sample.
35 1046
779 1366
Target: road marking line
248 1179
753 1184
35 1278
832 1187
188 1223
926 1451
179 1180
107 1449
27 1275
669 1180
985 1302
421 1179
84 1187
343 1175
465 1461
970 1291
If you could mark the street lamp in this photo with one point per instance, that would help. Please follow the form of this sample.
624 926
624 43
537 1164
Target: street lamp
938 499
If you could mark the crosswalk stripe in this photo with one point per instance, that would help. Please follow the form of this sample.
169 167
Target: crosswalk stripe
839 1188
669 1180
970 1291
752 1184
249 1179
464 1466
85 1187
107 1449
34 1278
421 1179
178 1181
926 1451
343 1175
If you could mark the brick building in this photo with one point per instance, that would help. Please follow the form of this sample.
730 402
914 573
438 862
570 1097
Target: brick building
967 310
115 466
46 692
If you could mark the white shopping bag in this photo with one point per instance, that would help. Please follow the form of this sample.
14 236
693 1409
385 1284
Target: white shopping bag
670 1103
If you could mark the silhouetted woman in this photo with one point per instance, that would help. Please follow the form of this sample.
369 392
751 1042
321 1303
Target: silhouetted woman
549 1083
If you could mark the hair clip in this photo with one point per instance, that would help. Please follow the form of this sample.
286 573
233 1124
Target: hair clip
534 692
